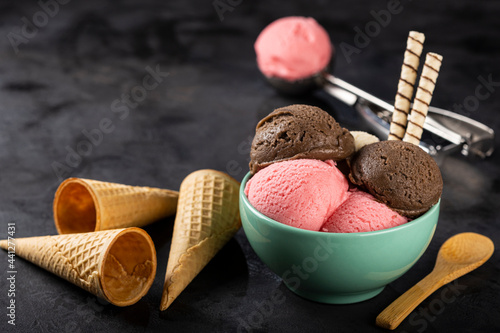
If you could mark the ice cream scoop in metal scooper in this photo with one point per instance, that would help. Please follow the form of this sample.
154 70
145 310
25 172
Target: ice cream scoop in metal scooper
299 45
461 133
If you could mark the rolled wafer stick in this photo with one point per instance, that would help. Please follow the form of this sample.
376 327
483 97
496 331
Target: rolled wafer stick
423 98
406 85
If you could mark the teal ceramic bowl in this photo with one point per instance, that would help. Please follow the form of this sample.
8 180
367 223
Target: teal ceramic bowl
336 268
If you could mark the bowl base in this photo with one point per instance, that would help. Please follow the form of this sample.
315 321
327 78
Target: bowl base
338 298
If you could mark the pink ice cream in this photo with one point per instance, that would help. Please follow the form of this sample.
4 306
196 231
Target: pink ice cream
360 213
293 48
301 193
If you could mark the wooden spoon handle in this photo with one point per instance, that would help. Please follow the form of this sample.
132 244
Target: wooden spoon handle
398 310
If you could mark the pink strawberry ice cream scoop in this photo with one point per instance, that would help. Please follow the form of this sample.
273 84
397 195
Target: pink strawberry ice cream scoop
301 193
360 212
293 48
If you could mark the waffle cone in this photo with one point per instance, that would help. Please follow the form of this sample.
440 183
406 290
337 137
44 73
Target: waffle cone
84 205
207 217
116 265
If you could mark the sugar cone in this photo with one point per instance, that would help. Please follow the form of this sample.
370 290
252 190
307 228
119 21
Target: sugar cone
116 265
84 205
207 217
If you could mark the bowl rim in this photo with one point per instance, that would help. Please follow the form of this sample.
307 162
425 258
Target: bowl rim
244 201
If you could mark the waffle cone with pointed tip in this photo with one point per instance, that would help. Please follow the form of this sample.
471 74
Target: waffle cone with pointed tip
207 217
116 265
84 205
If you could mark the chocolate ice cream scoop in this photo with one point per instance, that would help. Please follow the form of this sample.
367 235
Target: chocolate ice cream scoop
299 131
399 174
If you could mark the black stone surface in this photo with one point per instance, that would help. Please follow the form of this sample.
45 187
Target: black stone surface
66 76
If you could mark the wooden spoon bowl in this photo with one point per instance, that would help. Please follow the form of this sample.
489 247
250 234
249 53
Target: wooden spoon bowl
458 256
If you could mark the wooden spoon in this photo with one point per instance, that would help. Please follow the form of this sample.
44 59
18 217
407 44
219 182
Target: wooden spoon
458 256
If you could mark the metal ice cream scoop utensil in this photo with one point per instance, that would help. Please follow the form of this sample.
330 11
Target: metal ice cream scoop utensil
461 133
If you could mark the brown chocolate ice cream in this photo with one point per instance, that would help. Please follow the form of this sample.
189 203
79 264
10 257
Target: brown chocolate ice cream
299 131
399 174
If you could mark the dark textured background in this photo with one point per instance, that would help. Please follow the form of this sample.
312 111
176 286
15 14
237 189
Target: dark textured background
66 76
